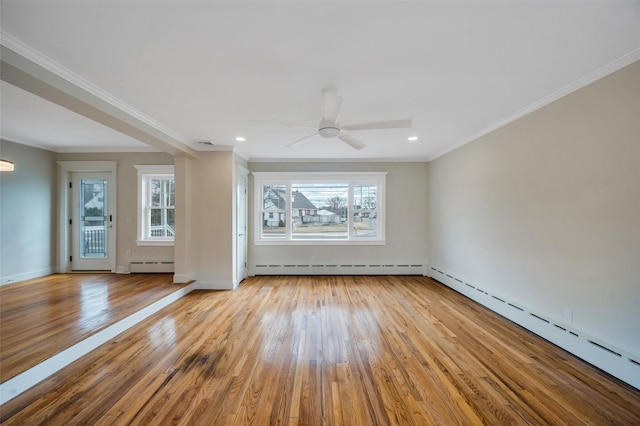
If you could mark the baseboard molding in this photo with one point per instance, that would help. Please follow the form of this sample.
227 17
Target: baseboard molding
184 278
20 383
620 364
122 270
214 285
341 268
11 279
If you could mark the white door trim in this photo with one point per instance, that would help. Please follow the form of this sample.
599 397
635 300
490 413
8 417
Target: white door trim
65 171
242 249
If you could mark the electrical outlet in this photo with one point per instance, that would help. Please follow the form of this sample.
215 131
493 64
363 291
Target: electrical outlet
128 253
567 315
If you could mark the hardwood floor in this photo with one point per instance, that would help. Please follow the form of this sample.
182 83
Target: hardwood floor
41 317
327 350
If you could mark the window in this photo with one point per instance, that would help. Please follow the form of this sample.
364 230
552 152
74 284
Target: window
156 205
319 208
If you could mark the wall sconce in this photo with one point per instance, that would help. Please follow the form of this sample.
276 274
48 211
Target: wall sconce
6 166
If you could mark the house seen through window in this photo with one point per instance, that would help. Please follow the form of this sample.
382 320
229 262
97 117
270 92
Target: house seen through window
319 208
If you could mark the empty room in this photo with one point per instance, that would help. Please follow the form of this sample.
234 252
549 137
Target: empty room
319 212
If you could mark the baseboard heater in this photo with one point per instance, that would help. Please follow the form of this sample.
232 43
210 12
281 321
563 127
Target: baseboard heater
339 269
623 365
151 267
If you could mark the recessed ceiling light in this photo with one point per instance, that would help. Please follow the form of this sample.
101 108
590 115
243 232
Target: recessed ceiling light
412 138
240 139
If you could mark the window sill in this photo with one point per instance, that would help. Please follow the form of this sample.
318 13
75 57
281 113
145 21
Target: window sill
158 243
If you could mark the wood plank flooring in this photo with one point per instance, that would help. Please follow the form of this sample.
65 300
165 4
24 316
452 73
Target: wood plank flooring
41 317
327 350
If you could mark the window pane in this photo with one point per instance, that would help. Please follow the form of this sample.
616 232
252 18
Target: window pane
154 188
162 192
165 192
274 225
162 223
319 210
156 217
274 215
172 193
365 197
365 224
171 220
273 197
93 221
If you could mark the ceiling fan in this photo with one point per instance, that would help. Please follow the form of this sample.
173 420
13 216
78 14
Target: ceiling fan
330 127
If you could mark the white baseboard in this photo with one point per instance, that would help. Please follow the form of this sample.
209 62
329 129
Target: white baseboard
623 365
122 270
184 278
214 285
341 268
20 383
11 279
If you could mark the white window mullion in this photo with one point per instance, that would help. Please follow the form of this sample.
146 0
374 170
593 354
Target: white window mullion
147 216
350 210
288 216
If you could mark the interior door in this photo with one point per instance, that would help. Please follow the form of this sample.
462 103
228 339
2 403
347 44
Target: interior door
241 222
92 220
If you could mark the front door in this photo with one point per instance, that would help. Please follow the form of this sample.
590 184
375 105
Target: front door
92 234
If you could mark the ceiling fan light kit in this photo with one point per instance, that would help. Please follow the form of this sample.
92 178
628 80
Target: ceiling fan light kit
330 128
329 132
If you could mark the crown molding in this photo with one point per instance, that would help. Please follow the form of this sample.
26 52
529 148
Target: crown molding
102 149
338 160
85 150
27 143
599 73
26 51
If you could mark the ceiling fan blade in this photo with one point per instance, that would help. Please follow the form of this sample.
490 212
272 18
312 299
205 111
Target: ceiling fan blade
332 107
303 139
348 139
283 123
392 124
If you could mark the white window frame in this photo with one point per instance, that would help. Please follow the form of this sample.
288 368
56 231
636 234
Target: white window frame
350 178
145 174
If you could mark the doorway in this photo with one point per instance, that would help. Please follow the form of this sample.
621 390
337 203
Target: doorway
92 222
87 238
241 224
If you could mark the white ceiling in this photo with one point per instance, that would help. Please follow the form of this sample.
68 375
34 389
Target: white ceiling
31 120
207 71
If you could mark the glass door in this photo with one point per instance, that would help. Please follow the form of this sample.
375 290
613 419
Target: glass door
92 223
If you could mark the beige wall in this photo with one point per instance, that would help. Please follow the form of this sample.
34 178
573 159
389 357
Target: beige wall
29 205
546 210
183 258
212 219
127 203
27 213
406 224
